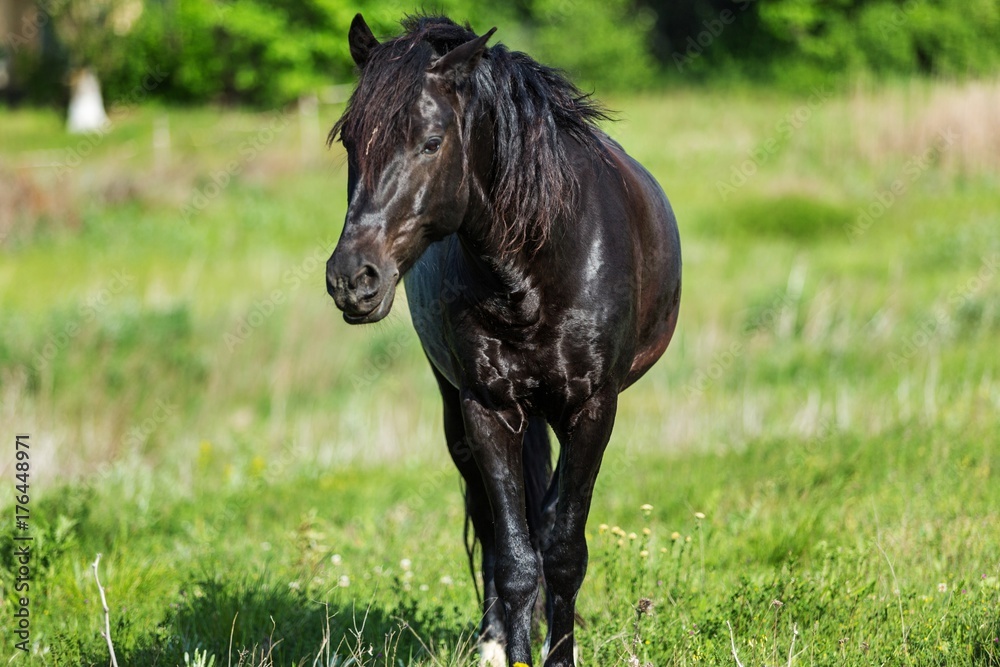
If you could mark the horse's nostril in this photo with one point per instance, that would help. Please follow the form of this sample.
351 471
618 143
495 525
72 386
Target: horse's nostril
366 281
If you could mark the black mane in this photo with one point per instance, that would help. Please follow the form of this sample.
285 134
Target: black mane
530 105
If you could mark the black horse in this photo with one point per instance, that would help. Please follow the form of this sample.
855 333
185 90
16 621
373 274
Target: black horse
543 273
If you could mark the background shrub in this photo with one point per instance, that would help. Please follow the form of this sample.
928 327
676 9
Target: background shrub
269 52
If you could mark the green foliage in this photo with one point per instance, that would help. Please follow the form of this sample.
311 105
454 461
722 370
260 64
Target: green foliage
269 52
202 659
261 53
800 43
89 29
148 59
796 217
942 37
600 42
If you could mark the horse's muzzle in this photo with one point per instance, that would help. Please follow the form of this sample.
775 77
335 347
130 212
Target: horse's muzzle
362 291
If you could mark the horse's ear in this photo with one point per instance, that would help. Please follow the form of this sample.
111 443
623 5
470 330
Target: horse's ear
462 60
361 39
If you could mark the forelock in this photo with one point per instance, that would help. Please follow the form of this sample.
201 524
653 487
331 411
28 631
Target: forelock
377 119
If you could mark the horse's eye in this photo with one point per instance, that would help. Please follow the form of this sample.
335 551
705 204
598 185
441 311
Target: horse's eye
431 146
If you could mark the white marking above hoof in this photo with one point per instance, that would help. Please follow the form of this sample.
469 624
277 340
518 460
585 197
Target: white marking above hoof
492 654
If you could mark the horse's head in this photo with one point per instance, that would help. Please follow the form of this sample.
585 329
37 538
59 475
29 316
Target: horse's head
407 183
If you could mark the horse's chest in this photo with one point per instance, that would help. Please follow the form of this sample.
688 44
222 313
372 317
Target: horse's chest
541 367
427 296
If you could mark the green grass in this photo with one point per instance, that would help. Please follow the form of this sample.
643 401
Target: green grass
255 473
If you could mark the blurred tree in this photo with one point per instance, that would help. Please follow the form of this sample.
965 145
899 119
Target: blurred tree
940 37
799 42
269 52
601 42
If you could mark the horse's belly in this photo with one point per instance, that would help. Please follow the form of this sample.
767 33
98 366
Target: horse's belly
426 295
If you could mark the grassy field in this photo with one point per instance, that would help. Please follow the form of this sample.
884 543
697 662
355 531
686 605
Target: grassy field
267 485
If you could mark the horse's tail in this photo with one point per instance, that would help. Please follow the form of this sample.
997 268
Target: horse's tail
536 459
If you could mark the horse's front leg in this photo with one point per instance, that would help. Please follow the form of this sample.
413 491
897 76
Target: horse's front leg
583 436
497 438
477 508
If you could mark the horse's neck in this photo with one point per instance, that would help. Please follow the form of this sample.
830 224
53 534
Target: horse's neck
503 281
482 243
501 286
490 270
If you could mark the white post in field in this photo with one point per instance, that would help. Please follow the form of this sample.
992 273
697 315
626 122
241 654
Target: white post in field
86 106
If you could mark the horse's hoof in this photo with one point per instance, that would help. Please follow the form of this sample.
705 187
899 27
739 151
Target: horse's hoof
492 654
